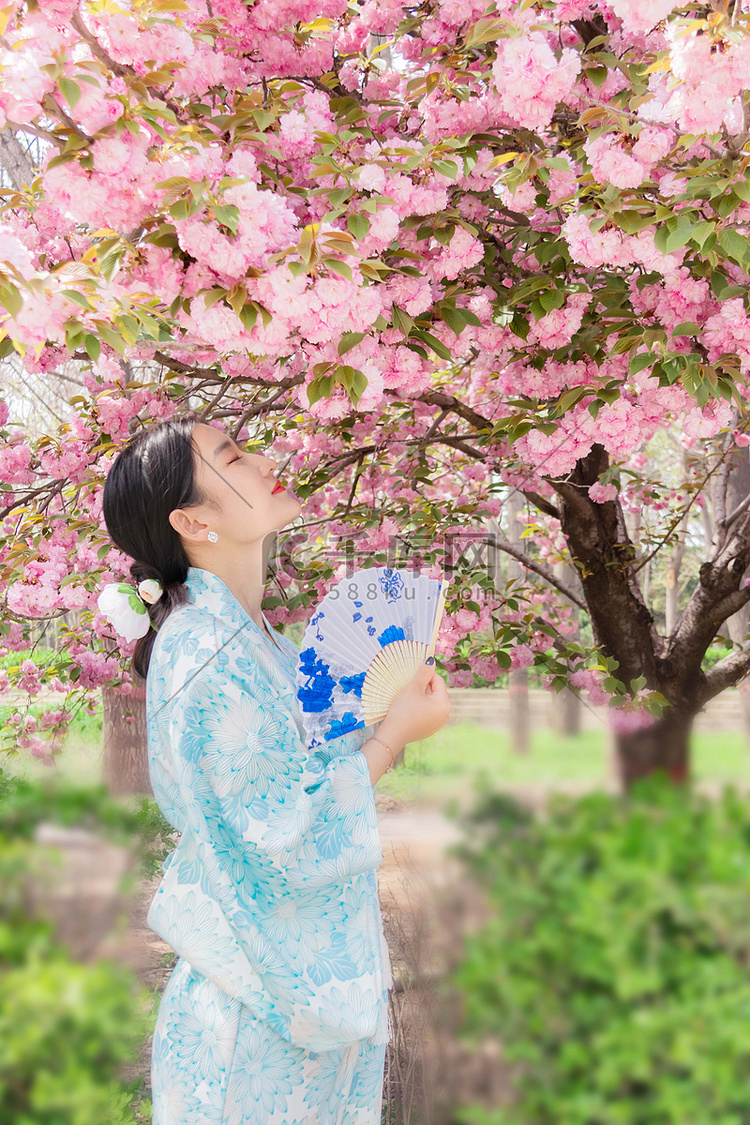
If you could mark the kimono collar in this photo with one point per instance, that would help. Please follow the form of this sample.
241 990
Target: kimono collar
208 591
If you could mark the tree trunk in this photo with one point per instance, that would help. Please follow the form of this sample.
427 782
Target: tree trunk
566 713
623 626
674 565
518 678
665 746
673 588
125 760
738 625
566 704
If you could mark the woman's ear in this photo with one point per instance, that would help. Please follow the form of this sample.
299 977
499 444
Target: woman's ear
188 526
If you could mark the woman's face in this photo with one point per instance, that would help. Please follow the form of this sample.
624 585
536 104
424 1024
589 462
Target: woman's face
240 485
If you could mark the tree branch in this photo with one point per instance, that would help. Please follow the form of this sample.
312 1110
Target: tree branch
538 568
727 673
742 507
543 505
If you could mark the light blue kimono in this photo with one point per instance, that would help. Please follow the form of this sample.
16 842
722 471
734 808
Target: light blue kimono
277 1009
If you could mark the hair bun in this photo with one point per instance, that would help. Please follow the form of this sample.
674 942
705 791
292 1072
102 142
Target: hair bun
140 571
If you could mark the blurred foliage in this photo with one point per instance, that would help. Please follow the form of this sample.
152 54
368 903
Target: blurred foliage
39 653
613 966
84 725
135 823
68 1030
716 652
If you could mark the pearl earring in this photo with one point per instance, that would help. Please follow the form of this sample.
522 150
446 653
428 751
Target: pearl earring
212 536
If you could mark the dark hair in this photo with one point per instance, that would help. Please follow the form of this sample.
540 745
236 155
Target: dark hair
151 475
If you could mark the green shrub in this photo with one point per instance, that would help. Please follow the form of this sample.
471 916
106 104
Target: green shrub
614 965
66 1031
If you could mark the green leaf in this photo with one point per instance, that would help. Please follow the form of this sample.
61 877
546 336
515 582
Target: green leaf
520 326
734 245
77 298
128 325
402 320
358 225
536 309
597 75
10 298
446 168
660 238
727 204
442 234
319 388
180 209
70 90
686 328
338 267
437 345
113 338
454 318
228 214
680 236
136 604
700 233
211 296
350 340
552 299
641 361
92 346
359 385
248 314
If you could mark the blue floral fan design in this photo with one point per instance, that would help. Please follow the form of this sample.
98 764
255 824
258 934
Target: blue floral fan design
365 642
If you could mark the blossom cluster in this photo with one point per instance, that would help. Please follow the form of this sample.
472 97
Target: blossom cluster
542 229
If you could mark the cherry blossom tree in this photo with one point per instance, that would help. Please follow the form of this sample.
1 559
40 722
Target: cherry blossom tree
433 253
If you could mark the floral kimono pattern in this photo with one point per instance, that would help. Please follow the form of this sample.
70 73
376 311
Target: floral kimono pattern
277 1010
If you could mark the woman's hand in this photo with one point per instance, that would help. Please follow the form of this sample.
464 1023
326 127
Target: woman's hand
419 709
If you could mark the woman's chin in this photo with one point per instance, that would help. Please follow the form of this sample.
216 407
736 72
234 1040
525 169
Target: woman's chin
294 503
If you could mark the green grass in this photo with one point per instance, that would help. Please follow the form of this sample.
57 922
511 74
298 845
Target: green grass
463 755
452 762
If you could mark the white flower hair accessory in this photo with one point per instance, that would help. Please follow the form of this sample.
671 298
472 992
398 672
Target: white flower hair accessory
124 606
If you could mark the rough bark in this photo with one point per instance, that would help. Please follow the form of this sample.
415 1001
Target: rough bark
623 626
125 760
603 555
15 160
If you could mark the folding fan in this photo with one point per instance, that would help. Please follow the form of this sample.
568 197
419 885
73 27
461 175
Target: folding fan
365 642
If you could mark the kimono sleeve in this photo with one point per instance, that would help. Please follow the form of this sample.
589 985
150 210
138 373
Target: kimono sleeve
237 750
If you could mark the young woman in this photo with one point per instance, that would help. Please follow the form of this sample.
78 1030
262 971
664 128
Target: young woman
276 1012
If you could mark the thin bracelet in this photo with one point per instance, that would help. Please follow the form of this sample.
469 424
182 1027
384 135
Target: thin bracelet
374 739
